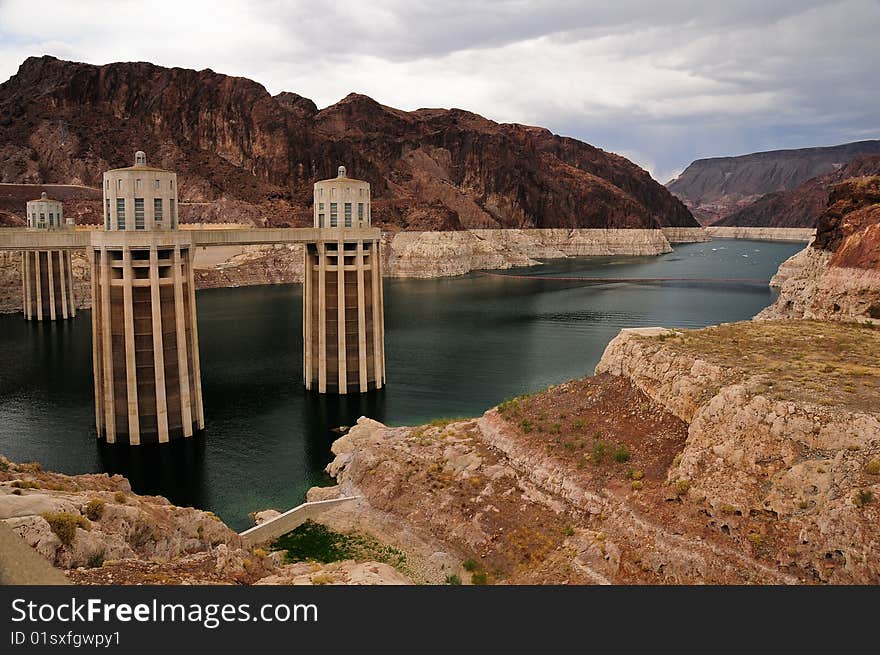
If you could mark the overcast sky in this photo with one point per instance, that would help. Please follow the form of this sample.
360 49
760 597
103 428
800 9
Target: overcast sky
660 82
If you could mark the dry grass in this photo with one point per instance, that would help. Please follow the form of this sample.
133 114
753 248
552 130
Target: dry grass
823 362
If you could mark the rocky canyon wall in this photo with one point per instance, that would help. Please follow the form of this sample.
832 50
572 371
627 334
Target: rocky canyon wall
838 275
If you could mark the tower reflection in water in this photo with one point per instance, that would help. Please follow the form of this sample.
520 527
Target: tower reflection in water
175 470
324 414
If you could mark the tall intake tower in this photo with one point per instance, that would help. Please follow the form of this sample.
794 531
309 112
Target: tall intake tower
47 275
145 342
343 318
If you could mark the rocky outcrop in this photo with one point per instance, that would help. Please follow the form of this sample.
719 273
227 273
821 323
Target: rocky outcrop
243 155
802 206
98 531
717 187
85 520
688 458
791 477
838 275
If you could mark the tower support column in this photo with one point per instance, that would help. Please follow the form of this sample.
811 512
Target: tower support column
342 315
147 380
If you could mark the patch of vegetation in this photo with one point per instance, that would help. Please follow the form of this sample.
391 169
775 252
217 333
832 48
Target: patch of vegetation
727 509
637 484
453 579
315 542
64 525
636 474
863 497
479 578
556 428
120 497
525 425
96 561
621 454
322 579
873 467
25 484
569 531
682 487
95 509
755 539
598 452
445 421
470 565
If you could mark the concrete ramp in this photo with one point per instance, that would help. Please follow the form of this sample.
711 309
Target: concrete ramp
289 520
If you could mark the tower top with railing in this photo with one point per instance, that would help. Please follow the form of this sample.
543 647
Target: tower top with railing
140 197
342 202
45 213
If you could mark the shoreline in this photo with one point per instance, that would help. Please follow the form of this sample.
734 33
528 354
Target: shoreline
420 255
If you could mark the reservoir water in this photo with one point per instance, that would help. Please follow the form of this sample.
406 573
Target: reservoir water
454 347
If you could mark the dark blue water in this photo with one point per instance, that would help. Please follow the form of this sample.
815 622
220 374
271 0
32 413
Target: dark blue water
455 347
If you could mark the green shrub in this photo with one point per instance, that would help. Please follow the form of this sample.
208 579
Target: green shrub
863 497
64 525
95 509
873 467
470 565
637 484
569 531
526 425
120 497
682 487
479 578
598 452
621 454
636 474
453 579
556 428
96 561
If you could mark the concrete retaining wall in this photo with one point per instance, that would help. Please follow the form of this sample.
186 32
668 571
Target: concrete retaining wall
290 520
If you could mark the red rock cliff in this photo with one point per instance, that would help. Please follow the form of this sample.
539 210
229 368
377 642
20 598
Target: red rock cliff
256 155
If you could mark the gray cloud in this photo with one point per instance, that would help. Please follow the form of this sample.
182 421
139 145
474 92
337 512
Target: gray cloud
663 83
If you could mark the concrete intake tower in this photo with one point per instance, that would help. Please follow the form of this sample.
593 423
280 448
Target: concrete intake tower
343 318
145 342
47 275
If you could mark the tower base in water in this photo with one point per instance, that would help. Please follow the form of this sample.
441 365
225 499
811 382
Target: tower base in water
343 319
145 340
47 285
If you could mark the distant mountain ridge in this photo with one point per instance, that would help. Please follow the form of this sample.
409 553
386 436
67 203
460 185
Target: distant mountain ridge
802 206
243 155
717 187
